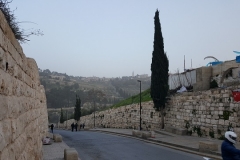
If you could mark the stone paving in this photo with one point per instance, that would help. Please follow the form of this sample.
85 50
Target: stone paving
55 151
190 144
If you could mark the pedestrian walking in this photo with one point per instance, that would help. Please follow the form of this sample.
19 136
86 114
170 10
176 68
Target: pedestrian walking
83 125
80 126
52 127
72 125
76 126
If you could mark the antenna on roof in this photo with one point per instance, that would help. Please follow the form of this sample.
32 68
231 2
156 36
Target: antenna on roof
184 64
191 63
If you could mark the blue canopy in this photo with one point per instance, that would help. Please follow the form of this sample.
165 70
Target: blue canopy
238 59
237 52
214 63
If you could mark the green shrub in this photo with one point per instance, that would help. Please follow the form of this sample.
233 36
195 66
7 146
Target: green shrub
199 132
213 84
211 133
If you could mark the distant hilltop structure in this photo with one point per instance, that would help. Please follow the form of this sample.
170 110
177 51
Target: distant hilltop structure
137 76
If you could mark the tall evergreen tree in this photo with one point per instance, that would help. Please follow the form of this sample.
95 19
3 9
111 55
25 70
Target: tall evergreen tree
77 109
61 116
159 68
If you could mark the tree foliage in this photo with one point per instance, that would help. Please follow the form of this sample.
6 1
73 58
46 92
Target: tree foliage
61 117
159 68
20 34
77 109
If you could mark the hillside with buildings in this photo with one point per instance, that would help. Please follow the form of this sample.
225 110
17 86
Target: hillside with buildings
61 90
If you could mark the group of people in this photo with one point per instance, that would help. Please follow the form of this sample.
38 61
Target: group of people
75 126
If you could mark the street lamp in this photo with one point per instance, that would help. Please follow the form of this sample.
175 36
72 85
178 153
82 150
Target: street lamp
140 106
94 112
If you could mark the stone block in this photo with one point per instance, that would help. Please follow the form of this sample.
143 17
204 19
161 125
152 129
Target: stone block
70 154
146 135
50 135
175 130
221 121
57 138
137 133
207 146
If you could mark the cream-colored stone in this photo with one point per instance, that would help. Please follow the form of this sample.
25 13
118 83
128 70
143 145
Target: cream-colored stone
221 122
17 128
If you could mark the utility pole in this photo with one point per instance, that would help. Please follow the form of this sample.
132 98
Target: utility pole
140 106
94 112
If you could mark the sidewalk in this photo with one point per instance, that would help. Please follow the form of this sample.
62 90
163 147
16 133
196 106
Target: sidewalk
54 151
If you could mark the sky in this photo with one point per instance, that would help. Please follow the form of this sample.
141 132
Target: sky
106 38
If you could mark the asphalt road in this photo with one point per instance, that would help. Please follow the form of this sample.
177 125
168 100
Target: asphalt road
101 146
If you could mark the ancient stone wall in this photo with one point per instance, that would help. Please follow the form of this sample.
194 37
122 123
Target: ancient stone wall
23 116
206 113
122 117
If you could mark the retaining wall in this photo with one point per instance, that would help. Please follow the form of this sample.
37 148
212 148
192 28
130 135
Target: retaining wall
23 116
204 113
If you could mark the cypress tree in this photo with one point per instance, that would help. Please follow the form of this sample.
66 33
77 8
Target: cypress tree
159 68
77 109
61 117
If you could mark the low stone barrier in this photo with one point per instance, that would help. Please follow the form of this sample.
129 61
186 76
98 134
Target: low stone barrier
70 154
143 134
146 135
152 134
174 130
50 135
137 133
207 146
57 138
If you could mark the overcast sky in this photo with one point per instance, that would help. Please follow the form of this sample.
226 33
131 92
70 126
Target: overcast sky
107 38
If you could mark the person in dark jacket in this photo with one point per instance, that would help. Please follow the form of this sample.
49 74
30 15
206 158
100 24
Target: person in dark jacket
229 152
72 125
52 127
76 126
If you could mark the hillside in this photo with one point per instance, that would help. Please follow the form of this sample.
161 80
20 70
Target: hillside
61 89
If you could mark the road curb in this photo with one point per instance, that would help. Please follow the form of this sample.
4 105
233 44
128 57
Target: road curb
214 156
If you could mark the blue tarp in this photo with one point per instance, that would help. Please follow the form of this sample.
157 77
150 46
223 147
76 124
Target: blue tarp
214 63
238 59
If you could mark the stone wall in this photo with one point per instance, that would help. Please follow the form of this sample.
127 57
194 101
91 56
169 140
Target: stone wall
23 116
204 113
207 113
122 117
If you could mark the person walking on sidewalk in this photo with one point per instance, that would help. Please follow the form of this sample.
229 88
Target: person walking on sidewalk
52 127
229 152
72 125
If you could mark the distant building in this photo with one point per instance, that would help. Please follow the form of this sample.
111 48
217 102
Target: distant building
126 77
143 76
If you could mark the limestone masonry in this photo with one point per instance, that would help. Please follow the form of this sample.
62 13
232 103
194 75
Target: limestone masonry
23 116
203 113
